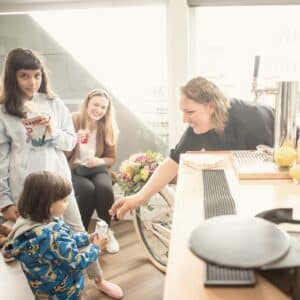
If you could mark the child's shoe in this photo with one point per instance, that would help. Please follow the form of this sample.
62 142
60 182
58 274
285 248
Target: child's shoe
110 289
112 245
7 252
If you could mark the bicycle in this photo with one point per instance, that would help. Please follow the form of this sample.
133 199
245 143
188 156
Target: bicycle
153 224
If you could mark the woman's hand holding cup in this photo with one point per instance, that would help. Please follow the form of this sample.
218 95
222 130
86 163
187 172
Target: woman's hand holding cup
83 136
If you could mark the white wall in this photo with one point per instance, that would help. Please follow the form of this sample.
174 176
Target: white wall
178 55
178 36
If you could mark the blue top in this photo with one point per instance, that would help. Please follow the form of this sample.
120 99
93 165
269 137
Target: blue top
51 257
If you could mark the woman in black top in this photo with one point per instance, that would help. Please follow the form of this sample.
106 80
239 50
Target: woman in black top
215 123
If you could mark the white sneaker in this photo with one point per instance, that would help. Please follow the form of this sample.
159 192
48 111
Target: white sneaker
112 244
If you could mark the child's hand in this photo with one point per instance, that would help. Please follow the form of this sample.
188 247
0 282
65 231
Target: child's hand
46 121
92 236
100 241
39 120
103 242
11 213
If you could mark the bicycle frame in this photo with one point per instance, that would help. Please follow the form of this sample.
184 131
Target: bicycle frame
156 222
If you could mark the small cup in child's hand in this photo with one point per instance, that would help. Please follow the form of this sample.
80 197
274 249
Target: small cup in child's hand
101 228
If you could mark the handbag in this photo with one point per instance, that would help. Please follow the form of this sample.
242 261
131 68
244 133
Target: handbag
84 171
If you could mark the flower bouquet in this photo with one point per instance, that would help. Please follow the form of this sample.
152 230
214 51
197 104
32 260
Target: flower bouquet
136 170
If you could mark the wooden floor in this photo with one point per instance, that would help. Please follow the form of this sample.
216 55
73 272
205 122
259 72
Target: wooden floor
129 268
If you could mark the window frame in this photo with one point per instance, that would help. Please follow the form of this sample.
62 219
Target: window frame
197 3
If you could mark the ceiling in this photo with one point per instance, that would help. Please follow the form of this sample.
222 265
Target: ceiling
31 5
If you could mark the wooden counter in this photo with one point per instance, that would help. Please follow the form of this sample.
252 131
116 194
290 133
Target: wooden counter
185 272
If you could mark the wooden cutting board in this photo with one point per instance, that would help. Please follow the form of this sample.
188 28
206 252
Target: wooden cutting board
257 165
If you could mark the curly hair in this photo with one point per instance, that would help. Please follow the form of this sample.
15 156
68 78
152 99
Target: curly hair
202 91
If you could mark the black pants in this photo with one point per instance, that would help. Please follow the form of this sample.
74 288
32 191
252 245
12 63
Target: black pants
94 192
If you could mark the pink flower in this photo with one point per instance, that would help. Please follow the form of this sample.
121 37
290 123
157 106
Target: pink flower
135 171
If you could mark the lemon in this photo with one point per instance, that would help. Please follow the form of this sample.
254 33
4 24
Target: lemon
298 155
284 156
295 172
287 143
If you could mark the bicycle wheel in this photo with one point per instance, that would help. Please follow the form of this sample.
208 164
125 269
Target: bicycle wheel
152 223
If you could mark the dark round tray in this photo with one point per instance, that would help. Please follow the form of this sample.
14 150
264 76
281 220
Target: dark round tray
239 241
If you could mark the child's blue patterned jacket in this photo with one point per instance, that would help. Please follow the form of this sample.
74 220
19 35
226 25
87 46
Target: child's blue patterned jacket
51 259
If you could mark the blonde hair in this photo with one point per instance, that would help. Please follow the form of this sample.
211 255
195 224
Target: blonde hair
108 123
202 91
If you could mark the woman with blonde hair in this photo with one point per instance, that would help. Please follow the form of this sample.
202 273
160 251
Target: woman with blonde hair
214 123
92 158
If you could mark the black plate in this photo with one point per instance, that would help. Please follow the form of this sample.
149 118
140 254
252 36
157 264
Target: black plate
239 241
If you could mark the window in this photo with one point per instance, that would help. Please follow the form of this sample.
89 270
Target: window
122 47
229 38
